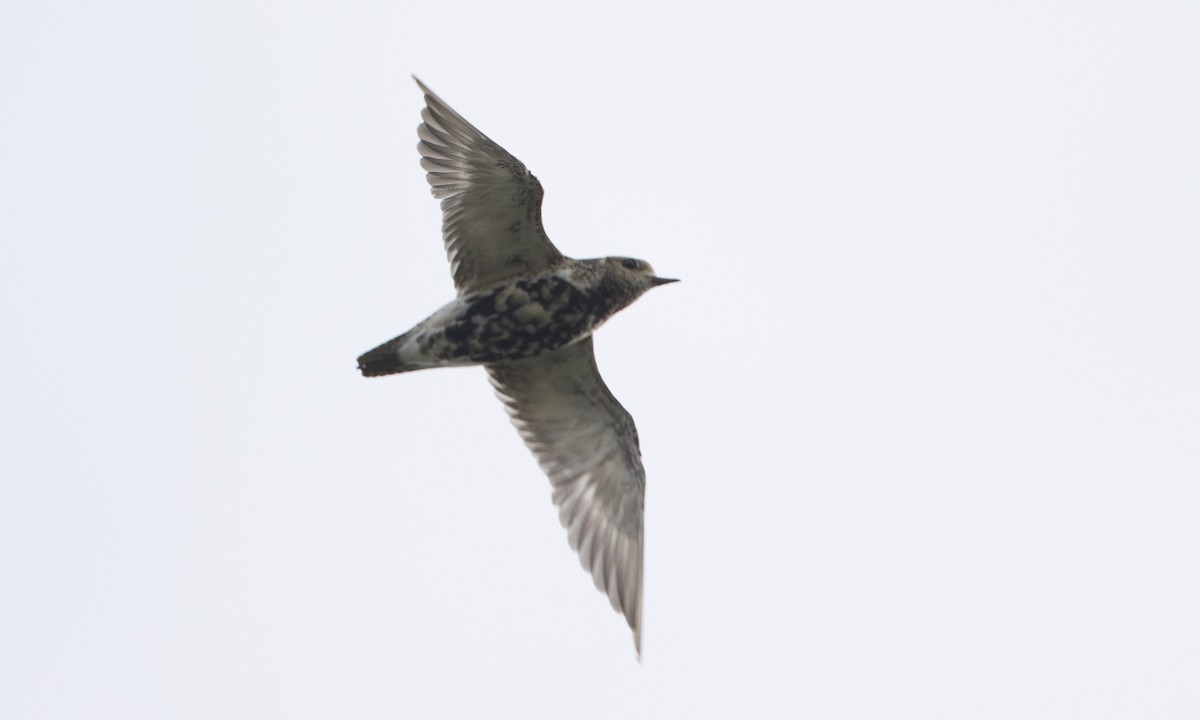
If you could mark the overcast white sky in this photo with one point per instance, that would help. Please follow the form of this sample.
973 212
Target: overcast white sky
921 425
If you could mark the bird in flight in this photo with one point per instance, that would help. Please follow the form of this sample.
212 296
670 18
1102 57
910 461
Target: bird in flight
527 313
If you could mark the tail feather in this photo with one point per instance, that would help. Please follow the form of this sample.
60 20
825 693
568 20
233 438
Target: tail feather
385 359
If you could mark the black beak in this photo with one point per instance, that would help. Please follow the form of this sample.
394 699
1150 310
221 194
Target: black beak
662 281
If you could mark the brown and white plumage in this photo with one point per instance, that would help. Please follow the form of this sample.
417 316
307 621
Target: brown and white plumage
527 313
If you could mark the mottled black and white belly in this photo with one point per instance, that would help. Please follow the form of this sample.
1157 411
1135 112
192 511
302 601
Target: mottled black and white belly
514 321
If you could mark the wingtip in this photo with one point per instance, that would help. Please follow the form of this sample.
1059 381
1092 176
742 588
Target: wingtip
432 100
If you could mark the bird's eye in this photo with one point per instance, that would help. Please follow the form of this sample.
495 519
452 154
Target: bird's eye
629 263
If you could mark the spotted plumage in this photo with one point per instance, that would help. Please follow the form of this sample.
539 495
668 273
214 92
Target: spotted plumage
517 319
527 314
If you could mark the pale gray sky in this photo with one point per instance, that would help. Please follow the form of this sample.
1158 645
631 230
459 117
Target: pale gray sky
921 425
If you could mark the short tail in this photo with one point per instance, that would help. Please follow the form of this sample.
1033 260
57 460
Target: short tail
385 359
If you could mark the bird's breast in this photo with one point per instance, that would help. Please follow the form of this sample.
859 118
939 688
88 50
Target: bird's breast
516 320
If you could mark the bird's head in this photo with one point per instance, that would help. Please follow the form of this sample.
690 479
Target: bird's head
636 275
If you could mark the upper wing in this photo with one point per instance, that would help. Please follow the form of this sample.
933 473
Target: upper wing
587 443
491 205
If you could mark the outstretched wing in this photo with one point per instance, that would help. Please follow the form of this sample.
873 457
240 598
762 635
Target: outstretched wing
588 445
491 204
